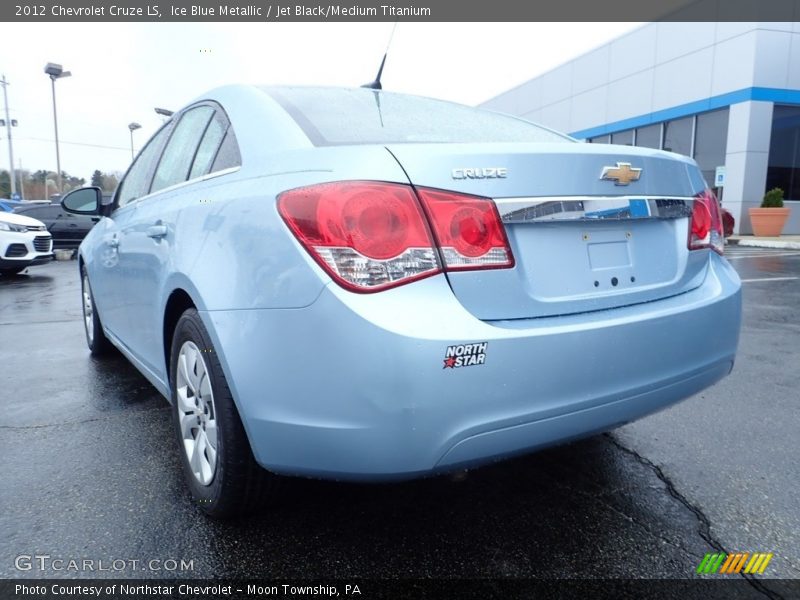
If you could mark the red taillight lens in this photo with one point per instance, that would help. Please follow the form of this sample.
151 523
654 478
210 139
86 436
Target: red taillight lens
468 230
371 236
368 235
705 228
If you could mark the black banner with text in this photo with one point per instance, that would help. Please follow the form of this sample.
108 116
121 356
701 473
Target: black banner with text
733 588
404 10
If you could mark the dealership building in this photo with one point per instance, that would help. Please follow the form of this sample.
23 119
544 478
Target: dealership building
727 94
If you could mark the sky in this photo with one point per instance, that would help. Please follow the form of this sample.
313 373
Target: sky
121 71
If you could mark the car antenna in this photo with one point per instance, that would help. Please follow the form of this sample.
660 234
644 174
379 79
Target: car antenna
376 85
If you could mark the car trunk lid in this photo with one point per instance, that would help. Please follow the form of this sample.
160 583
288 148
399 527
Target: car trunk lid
585 232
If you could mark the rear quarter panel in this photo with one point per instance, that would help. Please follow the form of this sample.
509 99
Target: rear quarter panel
232 245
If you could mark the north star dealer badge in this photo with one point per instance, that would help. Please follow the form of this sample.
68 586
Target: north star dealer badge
465 355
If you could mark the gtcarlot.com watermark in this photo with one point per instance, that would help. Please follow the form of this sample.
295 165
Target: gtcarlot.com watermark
46 563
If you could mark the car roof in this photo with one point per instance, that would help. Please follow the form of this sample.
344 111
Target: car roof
32 205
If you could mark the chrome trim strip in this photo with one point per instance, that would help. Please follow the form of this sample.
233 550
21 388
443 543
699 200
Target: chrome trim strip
592 208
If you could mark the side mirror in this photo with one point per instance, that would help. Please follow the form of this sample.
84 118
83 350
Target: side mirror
83 201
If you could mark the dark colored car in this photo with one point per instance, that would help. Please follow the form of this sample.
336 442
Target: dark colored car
68 230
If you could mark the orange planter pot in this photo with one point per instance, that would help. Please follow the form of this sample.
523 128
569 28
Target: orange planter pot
768 222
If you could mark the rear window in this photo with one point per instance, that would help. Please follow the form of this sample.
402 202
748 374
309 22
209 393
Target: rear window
334 116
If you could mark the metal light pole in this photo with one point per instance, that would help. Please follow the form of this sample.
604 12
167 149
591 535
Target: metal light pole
56 71
4 83
133 127
21 181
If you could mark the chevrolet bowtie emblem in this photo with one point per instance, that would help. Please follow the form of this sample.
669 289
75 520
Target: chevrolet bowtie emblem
622 174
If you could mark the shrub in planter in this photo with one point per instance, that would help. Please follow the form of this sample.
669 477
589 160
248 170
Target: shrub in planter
768 220
773 198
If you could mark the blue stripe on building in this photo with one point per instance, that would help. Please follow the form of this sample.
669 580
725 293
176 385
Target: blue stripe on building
761 94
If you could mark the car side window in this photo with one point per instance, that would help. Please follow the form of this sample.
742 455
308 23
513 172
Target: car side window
33 213
228 155
181 148
209 145
42 212
137 181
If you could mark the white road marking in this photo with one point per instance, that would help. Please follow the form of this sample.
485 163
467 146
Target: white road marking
769 279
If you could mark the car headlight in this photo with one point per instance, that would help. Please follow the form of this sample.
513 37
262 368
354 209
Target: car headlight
12 227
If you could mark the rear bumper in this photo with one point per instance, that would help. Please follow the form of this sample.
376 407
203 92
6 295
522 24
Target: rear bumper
354 386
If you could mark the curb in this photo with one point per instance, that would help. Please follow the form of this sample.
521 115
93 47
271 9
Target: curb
785 245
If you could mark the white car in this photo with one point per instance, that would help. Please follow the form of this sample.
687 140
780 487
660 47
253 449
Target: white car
24 242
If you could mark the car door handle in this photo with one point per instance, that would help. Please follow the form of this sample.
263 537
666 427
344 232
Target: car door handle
95 219
157 231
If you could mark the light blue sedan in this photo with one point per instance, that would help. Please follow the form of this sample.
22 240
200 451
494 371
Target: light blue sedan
354 284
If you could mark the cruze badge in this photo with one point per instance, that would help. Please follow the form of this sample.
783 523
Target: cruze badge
622 174
480 173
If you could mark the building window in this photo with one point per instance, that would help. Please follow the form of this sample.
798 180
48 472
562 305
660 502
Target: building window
623 138
783 168
649 137
600 139
711 142
678 136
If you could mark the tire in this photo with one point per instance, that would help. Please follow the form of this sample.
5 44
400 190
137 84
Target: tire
97 341
12 271
223 477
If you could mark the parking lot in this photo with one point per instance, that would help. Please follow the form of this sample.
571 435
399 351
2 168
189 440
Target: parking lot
89 470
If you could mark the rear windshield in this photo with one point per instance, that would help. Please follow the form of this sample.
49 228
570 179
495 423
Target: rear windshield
336 116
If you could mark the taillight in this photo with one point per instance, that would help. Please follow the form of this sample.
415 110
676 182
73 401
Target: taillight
705 227
468 230
371 236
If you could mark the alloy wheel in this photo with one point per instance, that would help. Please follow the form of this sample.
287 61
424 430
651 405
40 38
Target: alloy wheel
88 309
196 413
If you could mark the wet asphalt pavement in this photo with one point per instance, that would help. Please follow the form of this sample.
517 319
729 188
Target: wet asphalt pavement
88 469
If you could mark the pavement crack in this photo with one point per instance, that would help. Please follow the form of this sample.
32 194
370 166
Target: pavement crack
704 527
50 322
78 422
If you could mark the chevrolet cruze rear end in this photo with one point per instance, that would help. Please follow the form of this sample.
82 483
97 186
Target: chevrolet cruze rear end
357 284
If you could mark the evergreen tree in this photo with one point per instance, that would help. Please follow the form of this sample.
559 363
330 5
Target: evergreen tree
5 184
98 179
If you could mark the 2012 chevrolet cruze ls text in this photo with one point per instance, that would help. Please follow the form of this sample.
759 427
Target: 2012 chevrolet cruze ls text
348 283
